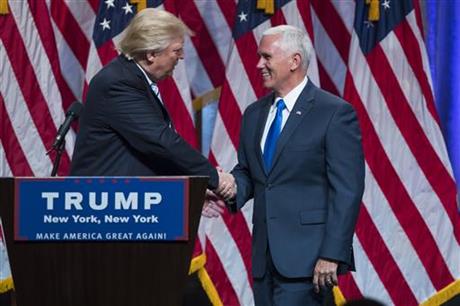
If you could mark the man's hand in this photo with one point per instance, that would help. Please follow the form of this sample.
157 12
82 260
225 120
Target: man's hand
325 274
227 185
213 206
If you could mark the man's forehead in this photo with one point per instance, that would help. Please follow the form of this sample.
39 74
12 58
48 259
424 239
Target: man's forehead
270 37
269 43
175 44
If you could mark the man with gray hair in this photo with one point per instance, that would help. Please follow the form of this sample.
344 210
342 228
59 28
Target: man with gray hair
125 129
300 158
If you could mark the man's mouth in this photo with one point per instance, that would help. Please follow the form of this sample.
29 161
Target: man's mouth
265 74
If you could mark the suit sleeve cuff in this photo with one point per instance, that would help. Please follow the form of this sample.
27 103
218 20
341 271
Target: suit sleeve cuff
336 249
213 182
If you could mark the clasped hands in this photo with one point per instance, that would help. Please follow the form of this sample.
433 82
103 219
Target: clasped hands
214 203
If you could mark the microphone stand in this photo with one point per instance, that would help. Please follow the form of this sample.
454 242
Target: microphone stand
59 142
59 149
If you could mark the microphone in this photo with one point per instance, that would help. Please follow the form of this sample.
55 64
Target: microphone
73 112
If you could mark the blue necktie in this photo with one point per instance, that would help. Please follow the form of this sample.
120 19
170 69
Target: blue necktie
273 135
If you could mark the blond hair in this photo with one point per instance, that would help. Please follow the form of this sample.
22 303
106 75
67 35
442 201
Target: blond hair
150 30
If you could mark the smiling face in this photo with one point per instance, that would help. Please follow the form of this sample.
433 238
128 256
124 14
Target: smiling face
163 63
277 66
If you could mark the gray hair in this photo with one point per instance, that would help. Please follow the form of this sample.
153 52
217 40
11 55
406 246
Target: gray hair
293 40
151 30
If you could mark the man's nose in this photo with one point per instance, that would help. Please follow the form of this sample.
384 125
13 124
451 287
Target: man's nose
260 63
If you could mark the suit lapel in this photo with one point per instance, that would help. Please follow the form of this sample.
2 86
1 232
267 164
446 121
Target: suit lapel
131 66
261 120
302 107
162 106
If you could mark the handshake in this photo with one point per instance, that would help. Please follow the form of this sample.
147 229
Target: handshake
214 202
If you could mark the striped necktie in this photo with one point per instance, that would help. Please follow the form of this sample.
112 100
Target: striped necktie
156 91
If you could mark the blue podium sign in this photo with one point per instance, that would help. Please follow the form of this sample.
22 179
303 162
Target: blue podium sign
101 208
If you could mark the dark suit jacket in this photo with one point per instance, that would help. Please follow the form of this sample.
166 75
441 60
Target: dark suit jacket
124 130
307 205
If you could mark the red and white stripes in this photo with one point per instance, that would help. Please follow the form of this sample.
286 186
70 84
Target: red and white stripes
408 226
403 255
242 86
407 238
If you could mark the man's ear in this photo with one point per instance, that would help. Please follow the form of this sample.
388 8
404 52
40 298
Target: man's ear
150 56
296 61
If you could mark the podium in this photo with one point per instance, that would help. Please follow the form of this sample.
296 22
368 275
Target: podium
92 273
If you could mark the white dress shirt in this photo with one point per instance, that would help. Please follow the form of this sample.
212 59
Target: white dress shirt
152 84
155 89
289 101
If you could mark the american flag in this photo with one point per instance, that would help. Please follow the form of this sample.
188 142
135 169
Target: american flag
407 238
406 242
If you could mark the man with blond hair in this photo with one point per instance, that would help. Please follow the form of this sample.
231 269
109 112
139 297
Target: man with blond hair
125 129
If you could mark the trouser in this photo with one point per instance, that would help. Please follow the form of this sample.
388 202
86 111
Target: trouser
273 289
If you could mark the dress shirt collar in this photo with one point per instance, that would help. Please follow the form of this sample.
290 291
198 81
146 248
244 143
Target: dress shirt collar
151 83
293 95
145 74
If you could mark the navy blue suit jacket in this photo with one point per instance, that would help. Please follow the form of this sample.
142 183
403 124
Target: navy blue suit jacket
306 207
124 130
